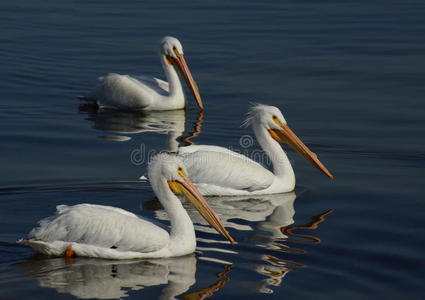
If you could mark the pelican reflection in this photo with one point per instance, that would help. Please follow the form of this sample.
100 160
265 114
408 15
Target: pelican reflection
87 278
210 290
107 279
265 221
122 124
264 212
277 267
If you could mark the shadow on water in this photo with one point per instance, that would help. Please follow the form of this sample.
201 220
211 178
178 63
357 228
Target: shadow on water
125 123
112 279
265 222
278 267
186 139
209 291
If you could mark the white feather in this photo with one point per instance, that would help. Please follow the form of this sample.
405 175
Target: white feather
220 167
103 226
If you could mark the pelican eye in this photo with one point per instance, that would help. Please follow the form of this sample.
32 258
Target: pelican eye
276 120
176 52
180 171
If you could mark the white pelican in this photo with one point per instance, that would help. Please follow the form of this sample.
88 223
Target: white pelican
109 232
219 171
145 93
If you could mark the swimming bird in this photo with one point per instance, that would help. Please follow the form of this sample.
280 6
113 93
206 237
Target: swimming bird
219 171
146 93
109 232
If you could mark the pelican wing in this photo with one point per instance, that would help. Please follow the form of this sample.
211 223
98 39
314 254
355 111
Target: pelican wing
123 91
198 148
102 226
161 84
213 165
157 84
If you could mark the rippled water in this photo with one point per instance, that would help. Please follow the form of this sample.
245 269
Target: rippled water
349 78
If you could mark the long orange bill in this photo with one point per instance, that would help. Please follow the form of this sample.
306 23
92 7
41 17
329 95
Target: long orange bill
187 188
181 65
286 135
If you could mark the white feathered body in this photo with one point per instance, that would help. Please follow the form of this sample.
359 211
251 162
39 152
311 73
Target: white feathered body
99 231
141 93
219 171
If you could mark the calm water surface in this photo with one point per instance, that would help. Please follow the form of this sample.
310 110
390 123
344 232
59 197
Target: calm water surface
349 77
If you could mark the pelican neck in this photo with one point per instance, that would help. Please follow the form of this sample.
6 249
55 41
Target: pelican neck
174 85
181 225
281 166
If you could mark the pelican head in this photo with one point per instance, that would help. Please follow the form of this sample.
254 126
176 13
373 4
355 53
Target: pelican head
172 49
271 118
169 169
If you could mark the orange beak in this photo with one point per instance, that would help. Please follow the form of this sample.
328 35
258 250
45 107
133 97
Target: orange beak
181 65
286 135
188 189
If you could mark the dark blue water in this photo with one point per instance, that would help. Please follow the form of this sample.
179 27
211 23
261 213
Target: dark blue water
349 77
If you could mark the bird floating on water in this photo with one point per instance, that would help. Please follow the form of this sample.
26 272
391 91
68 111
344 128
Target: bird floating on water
113 233
146 93
219 171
